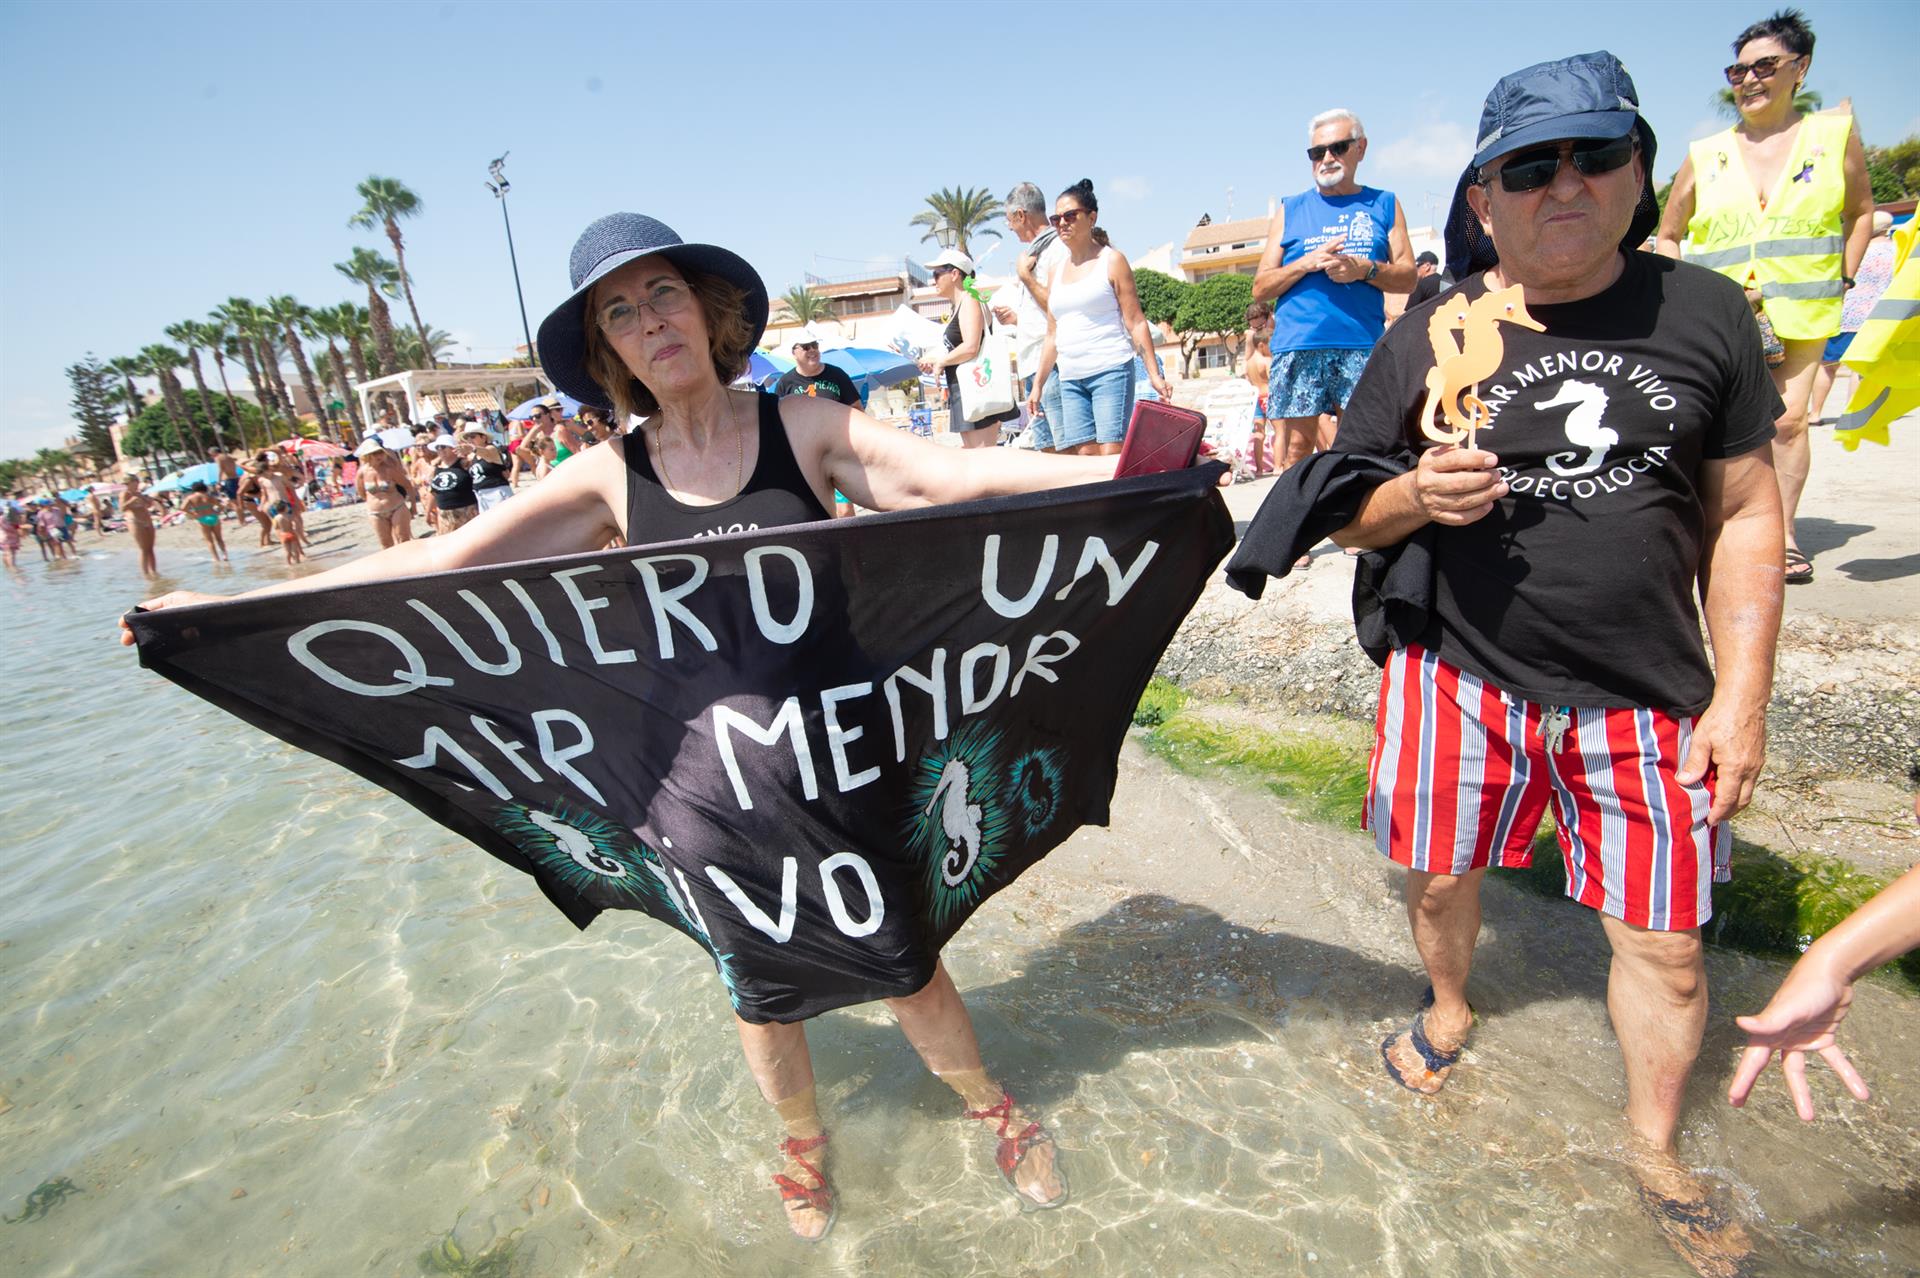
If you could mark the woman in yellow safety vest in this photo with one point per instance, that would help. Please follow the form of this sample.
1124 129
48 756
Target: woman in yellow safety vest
1780 204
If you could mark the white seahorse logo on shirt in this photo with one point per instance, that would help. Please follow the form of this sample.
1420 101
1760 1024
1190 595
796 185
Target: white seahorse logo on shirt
1583 427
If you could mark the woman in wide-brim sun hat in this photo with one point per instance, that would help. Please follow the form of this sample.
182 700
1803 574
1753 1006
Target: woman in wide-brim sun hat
660 328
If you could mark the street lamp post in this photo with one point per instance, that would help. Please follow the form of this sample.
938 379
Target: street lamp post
500 186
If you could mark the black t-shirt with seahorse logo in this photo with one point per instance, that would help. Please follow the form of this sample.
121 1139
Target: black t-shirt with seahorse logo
1578 588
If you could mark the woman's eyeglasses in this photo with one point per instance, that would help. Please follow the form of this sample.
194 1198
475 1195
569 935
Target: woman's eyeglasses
1319 153
1762 68
623 316
1531 170
1061 221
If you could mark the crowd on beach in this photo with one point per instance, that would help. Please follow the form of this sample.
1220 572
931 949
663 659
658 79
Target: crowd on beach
1492 709
455 467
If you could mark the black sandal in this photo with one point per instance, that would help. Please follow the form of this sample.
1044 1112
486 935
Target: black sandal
1795 562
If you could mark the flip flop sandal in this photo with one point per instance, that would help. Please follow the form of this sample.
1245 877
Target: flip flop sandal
1795 559
819 1197
1439 1064
1013 1149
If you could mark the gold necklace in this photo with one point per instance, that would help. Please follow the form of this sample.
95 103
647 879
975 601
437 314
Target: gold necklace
739 455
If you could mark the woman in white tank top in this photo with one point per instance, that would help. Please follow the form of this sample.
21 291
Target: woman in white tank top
1094 328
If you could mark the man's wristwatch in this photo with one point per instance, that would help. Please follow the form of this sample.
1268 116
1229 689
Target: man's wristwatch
1373 269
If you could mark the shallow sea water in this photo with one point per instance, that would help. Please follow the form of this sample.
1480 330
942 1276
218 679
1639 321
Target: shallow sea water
228 966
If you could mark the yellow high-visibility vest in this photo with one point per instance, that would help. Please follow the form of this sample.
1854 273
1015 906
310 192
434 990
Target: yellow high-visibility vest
1791 249
1886 353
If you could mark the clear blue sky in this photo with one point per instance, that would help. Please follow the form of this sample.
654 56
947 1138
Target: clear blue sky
158 158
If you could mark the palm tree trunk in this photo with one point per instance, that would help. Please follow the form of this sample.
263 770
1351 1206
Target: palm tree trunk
206 400
134 406
234 419
406 286
382 321
174 414
270 362
179 394
301 366
262 384
347 396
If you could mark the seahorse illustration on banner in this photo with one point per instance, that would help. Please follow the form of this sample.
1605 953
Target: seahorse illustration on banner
1454 381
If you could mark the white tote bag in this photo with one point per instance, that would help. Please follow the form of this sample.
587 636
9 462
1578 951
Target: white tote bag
986 380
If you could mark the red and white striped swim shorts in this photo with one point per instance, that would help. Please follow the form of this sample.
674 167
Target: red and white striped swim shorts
1462 772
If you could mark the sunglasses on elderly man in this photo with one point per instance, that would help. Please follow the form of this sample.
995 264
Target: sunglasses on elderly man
1319 153
1762 68
1533 169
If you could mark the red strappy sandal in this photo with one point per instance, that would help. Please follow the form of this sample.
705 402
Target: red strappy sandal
819 1197
1013 1149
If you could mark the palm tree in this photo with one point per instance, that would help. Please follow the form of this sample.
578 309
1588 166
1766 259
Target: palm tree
807 305
1806 102
966 212
129 367
409 347
161 361
380 276
328 322
189 334
242 318
291 316
216 336
387 201
55 465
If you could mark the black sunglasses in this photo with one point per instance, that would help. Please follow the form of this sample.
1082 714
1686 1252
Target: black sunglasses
1762 68
1319 153
1531 170
1061 221
806 346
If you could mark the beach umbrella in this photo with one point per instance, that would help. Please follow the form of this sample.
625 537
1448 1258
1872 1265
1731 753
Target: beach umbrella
763 369
314 447
75 494
871 367
207 473
569 407
109 488
395 438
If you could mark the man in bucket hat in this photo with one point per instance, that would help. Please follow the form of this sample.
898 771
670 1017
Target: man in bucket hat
1585 432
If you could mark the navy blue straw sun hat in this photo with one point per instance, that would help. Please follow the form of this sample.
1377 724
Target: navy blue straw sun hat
1589 95
606 246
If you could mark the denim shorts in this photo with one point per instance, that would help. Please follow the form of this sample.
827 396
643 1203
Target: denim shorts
1308 383
1040 429
1096 409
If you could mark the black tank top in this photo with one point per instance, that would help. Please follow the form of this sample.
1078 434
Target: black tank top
487 474
452 487
776 493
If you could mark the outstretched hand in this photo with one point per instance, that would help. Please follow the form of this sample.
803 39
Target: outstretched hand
172 599
1801 1017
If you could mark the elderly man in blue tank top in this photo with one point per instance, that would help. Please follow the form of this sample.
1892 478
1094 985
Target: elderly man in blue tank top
1333 252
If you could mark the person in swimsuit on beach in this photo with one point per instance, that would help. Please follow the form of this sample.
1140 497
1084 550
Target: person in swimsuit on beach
11 520
284 481
204 508
138 509
288 532
658 327
391 498
251 498
227 480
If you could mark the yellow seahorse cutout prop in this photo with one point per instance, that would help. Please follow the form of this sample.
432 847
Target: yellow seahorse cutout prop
1453 384
1886 354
